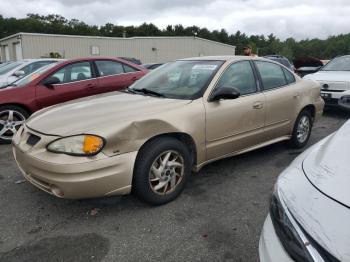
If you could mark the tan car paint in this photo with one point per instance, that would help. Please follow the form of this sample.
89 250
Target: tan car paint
127 121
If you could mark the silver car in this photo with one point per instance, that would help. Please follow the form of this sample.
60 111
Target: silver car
309 216
15 70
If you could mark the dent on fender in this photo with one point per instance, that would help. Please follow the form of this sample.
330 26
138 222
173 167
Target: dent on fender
131 137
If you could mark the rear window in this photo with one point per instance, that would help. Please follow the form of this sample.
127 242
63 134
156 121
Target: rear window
129 69
289 76
108 68
272 75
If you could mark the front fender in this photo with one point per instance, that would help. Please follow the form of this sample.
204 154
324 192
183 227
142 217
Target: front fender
132 136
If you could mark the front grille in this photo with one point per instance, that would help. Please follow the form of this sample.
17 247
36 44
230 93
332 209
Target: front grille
33 140
331 101
332 90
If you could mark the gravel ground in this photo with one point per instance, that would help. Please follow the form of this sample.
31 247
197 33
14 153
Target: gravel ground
218 217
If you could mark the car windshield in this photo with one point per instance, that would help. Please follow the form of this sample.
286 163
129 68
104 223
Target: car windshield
7 68
27 79
338 64
179 79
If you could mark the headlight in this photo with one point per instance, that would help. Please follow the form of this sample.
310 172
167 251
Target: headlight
295 240
80 145
287 233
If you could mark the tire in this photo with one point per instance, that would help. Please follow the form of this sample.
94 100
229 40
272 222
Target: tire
11 119
151 155
302 124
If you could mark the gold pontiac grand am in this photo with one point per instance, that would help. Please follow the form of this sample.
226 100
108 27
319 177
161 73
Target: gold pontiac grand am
179 117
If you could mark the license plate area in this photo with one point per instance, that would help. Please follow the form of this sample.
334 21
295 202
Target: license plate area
326 95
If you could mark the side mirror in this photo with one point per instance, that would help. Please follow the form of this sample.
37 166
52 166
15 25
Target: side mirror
19 73
224 93
50 81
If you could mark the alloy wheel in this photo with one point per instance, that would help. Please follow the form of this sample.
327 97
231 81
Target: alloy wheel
166 172
303 129
10 122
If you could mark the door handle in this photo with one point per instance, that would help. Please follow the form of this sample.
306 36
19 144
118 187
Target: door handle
258 105
297 95
90 86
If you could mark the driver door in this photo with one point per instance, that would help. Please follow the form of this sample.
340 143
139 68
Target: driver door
235 124
76 81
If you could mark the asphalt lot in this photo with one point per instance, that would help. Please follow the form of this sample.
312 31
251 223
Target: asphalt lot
218 217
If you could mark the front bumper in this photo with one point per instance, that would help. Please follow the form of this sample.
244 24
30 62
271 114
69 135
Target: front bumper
75 177
335 99
319 105
270 247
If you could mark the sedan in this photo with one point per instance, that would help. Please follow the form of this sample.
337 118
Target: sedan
309 218
334 79
177 118
15 70
60 82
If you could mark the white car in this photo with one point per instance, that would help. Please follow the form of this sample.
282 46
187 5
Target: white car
309 216
15 70
334 79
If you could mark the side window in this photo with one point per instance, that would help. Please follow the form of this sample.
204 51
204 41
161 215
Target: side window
271 74
239 75
289 76
107 68
129 69
74 72
26 69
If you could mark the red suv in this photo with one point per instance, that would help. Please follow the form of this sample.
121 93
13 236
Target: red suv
60 82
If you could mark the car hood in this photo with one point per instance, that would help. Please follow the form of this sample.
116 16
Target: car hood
330 76
328 168
96 112
323 218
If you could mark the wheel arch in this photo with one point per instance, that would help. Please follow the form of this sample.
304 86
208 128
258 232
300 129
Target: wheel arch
185 138
18 105
311 108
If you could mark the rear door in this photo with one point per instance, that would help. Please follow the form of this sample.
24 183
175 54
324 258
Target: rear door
114 75
76 81
282 98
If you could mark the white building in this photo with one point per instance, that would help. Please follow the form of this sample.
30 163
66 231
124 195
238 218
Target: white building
147 49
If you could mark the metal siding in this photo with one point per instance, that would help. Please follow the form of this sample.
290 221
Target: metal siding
166 48
10 42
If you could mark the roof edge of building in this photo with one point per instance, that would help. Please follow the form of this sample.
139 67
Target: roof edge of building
119 38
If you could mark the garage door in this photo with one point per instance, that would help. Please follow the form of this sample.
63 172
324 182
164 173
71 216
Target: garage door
7 53
18 50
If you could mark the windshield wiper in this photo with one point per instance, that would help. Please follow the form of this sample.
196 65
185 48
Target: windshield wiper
148 92
127 90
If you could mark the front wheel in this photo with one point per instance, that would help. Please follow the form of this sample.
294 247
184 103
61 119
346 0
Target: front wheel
161 170
302 130
11 119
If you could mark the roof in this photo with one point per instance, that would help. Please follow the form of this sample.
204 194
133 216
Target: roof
117 38
224 58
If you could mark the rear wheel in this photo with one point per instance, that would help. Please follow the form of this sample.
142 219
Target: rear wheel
11 119
161 171
302 130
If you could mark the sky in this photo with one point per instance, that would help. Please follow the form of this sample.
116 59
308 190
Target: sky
285 18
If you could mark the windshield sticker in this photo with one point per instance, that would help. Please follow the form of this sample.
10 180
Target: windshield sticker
205 67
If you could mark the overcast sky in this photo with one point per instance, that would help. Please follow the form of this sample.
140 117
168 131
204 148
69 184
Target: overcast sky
284 18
